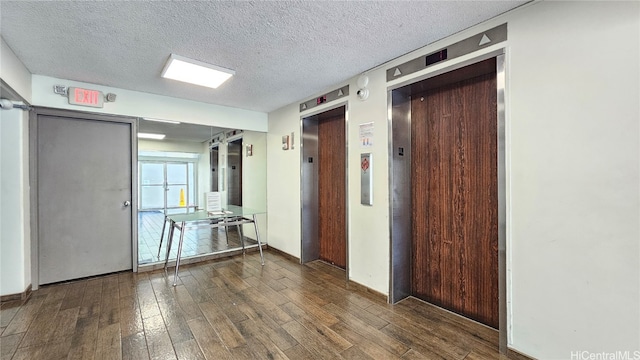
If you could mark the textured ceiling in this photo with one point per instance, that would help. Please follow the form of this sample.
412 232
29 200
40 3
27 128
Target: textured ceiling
282 51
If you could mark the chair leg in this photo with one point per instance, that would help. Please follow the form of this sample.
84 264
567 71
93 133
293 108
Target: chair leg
226 230
164 225
239 226
169 243
182 230
255 224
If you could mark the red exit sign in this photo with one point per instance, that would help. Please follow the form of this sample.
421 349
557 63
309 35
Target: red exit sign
85 97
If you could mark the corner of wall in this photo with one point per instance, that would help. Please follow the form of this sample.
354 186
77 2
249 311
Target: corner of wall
15 263
14 73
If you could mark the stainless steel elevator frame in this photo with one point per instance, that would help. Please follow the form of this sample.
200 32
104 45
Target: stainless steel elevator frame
310 246
399 110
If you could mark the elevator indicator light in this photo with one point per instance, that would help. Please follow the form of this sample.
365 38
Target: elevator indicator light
436 57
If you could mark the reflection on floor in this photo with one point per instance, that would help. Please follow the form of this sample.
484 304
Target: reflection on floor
196 241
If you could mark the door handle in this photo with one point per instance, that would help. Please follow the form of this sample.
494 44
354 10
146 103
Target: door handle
126 203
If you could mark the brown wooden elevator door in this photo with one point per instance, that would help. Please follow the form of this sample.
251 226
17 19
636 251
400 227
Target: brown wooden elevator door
332 232
454 193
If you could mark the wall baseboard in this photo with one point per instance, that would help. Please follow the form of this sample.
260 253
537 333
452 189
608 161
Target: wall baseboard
516 355
375 294
20 296
282 253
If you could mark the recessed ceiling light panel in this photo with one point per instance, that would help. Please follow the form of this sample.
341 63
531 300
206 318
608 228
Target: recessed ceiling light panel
162 120
151 136
195 72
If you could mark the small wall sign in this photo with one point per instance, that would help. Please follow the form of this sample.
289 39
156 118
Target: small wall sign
85 97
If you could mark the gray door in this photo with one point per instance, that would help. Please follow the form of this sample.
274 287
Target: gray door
84 194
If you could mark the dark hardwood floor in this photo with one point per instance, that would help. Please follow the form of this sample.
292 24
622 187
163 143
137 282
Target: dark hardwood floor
233 309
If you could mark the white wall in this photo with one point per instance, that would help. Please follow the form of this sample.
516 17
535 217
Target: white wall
254 180
369 225
134 103
575 239
573 157
283 181
15 254
368 239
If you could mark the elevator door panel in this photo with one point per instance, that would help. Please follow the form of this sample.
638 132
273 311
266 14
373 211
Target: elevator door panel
454 197
234 161
213 161
332 187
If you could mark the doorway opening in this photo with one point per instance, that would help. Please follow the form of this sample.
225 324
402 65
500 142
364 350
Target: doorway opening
447 192
190 162
324 187
167 185
83 191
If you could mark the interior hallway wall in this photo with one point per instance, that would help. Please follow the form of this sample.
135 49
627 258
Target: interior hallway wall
573 157
574 85
254 181
283 181
135 103
15 232
15 254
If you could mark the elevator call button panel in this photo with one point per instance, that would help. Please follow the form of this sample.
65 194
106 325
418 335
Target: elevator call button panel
366 179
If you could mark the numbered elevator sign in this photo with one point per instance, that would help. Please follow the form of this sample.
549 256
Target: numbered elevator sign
366 179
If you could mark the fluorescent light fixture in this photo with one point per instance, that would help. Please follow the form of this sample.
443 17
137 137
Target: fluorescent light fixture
195 72
162 121
151 136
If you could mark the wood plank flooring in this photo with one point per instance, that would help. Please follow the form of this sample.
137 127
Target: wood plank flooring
233 309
